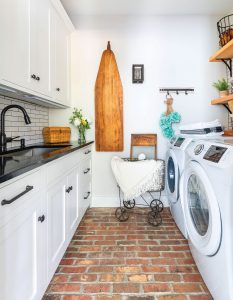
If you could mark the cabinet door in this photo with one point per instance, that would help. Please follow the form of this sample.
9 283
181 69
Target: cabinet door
22 271
15 38
59 59
40 46
56 201
72 203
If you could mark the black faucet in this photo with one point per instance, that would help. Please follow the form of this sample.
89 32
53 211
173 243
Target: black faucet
3 139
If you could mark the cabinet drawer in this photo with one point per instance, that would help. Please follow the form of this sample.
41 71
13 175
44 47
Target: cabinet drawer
84 197
61 166
15 196
85 171
86 152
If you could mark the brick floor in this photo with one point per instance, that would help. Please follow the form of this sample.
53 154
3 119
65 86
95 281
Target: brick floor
132 260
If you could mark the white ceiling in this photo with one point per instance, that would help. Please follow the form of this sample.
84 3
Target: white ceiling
147 7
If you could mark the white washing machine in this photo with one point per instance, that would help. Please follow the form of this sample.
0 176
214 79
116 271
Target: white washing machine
207 199
176 158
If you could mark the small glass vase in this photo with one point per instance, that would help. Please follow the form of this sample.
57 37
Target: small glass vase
82 137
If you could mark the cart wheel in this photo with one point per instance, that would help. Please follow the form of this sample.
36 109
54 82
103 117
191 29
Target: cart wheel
121 214
154 218
129 204
156 205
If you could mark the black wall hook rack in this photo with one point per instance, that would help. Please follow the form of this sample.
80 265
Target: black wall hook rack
177 91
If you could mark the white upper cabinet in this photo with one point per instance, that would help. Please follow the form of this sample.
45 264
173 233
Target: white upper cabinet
40 46
15 38
60 48
34 52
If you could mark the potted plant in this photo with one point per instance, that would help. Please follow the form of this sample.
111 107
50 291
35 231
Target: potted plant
222 86
82 123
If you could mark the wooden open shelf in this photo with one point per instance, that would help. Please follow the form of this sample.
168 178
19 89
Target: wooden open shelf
223 100
226 52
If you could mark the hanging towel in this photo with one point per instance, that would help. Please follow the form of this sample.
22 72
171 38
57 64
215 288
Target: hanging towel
136 178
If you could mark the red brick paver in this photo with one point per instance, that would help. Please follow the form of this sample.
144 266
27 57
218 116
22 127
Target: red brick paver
107 259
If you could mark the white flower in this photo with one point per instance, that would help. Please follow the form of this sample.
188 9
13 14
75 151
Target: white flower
77 122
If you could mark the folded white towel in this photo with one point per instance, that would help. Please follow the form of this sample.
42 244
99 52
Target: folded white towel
200 125
136 178
210 135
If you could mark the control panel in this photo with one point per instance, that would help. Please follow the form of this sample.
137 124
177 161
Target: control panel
214 153
179 142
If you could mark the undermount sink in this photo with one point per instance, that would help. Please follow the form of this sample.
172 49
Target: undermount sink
35 151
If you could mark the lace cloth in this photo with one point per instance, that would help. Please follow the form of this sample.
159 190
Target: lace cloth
136 178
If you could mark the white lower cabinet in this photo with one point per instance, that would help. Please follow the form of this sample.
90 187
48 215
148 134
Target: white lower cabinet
56 202
72 203
22 254
62 211
36 228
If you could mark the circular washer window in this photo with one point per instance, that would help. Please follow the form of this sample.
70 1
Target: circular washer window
201 210
198 204
171 175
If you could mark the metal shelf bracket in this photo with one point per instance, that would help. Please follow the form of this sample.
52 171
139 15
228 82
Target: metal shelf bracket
228 63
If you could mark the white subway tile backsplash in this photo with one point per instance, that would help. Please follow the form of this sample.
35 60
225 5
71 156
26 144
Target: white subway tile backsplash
15 124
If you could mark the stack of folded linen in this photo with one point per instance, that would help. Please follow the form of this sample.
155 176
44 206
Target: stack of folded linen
213 128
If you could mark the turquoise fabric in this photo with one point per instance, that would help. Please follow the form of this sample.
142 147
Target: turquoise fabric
166 123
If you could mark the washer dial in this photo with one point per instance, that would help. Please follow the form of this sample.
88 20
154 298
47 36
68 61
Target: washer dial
198 149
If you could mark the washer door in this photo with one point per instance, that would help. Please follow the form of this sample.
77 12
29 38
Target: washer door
172 177
201 210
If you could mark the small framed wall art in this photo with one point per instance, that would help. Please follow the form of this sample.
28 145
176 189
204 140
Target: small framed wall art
138 73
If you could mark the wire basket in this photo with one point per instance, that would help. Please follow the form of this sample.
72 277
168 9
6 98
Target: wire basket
225 29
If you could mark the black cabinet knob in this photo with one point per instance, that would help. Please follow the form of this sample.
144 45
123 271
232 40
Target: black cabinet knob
37 78
87 152
41 218
69 189
86 171
58 89
86 197
33 76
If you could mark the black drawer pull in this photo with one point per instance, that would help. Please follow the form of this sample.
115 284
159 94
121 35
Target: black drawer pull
86 171
87 152
88 194
58 89
28 189
70 188
33 76
37 78
41 219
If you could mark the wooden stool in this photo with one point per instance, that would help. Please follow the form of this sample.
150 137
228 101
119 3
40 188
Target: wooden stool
144 140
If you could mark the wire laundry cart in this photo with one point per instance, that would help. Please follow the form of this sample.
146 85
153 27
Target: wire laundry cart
152 201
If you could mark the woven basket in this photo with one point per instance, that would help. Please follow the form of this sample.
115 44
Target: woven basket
225 29
53 135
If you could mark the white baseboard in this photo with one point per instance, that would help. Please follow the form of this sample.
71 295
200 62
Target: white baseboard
110 201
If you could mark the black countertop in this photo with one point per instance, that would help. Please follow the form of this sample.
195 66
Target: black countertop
12 164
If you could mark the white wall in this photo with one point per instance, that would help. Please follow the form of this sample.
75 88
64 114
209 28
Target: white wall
174 51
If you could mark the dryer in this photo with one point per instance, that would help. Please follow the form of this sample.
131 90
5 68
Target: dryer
206 195
175 164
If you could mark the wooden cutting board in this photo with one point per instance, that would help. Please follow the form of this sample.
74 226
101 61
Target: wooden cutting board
108 105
